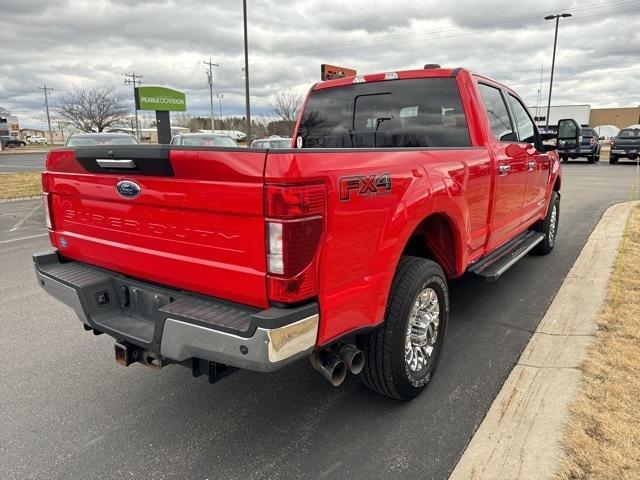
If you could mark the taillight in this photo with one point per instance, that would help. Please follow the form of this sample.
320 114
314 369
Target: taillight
45 200
294 230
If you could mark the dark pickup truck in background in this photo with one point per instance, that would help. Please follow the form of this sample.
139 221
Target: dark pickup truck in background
625 145
588 148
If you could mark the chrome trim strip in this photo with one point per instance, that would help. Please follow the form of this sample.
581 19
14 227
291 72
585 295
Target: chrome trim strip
111 163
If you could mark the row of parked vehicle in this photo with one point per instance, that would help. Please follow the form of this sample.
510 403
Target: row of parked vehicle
185 139
625 145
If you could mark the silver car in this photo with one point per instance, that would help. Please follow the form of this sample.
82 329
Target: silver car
203 140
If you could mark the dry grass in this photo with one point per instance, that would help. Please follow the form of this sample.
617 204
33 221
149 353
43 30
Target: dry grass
17 185
602 440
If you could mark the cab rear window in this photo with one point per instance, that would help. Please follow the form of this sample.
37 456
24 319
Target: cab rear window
391 114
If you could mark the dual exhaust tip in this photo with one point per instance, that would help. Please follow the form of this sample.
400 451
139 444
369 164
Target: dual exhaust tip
334 366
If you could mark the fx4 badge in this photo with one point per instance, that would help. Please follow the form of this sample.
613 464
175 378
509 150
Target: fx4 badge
373 185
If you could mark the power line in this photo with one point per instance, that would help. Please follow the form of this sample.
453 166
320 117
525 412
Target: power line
46 106
209 73
133 79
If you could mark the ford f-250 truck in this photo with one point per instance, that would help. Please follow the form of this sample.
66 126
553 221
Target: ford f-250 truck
338 249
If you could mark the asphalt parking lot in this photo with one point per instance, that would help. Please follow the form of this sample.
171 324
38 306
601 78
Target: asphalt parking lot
21 162
69 411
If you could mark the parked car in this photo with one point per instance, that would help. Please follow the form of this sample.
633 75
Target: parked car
272 142
37 140
203 140
339 250
104 138
10 141
589 147
625 145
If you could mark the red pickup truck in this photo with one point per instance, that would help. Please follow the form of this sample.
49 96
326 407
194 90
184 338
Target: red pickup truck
338 248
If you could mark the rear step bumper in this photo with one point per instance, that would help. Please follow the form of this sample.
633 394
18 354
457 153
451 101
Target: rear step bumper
177 325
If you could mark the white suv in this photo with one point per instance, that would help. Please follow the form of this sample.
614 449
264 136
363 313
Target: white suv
41 140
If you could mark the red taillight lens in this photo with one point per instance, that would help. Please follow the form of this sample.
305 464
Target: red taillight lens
295 226
295 201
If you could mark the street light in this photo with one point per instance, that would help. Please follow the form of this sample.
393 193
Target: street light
553 61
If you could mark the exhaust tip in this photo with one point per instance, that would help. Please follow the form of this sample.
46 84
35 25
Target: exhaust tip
353 358
330 366
339 374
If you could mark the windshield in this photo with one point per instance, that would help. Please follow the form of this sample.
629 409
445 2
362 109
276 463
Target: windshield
398 113
631 133
101 140
211 141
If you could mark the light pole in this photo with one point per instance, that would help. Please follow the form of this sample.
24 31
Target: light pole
553 60
220 96
246 71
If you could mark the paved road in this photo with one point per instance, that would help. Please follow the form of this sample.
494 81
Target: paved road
69 411
21 162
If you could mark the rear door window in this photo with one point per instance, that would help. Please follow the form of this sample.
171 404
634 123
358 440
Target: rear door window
423 112
497 113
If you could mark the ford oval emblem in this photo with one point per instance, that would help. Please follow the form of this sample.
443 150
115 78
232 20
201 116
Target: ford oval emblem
128 189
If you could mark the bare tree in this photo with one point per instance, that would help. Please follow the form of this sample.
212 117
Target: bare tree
93 108
286 105
182 119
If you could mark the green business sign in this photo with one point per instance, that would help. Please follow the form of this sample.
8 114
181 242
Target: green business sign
160 98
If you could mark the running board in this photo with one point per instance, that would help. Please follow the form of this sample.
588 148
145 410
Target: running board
492 266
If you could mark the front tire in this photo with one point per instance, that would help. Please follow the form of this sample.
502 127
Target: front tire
402 354
613 159
549 226
591 158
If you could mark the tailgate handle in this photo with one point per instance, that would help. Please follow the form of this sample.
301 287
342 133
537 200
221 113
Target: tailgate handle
110 163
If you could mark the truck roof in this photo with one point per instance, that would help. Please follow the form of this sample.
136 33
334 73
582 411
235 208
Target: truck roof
381 76
402 75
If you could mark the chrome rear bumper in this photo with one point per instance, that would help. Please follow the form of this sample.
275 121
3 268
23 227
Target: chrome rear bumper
176 325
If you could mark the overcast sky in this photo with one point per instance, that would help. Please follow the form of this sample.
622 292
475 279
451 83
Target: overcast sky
67 43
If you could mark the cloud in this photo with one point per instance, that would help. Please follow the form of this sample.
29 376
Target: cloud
83 42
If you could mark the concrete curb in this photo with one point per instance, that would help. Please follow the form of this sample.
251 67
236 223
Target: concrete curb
520 437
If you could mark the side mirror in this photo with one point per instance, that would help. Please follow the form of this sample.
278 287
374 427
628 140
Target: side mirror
569 133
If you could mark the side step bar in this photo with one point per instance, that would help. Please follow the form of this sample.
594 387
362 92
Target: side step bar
492 266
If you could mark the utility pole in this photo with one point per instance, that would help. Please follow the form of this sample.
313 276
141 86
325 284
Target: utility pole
246 71
46 106
133 79
220 96
209 73
553 60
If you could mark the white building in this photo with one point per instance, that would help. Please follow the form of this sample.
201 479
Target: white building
580 113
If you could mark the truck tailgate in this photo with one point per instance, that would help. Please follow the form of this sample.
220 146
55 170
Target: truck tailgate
197 222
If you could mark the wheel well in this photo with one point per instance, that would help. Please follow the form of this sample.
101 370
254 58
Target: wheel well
433 238
556 185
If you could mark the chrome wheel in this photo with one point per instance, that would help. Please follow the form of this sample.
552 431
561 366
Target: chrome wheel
422 330
553 221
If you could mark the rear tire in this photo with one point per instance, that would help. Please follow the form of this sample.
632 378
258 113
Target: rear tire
549 226
402 354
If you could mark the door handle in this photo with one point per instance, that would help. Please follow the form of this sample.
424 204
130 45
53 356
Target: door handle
504 170
531 165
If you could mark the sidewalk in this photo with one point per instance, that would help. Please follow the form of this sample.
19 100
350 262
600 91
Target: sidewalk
520 436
